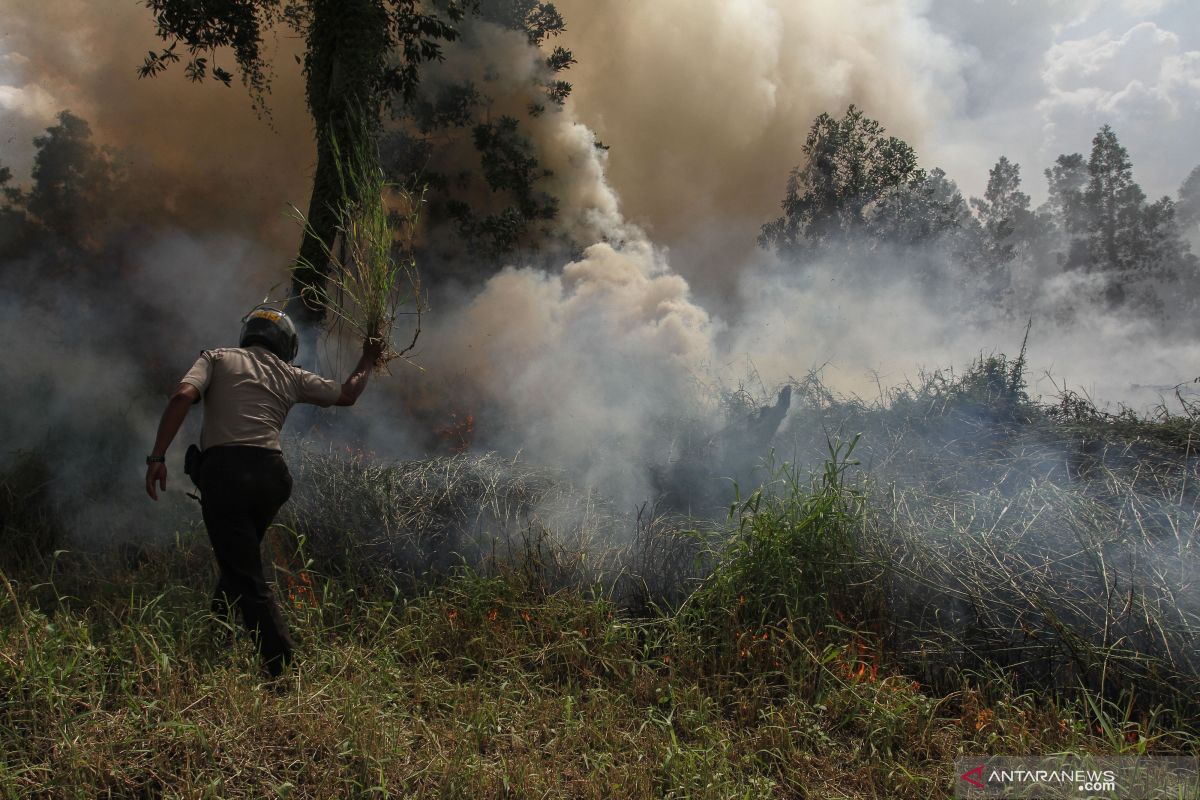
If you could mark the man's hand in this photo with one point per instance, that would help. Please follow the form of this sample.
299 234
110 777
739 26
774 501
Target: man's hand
183 398
156 474
372 352
373 348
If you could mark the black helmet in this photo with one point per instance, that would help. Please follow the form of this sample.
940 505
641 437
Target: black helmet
270 327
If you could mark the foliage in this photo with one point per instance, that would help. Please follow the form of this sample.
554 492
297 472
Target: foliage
478 216
1007 224
861 199
75 185
1106 226
359 35
357 55
850 166
361 57
1188 207
791 558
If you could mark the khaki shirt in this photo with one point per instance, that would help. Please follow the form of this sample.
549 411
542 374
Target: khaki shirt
248 392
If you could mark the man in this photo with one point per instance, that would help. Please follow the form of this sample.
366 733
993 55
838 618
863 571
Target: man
243 480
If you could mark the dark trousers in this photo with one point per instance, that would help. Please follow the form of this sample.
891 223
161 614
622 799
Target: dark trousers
241 489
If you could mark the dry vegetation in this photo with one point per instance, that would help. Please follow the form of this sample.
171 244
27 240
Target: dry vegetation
977 574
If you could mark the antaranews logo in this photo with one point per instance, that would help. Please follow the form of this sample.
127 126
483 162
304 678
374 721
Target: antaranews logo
974 777
1128 777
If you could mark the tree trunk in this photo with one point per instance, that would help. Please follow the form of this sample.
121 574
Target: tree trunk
346 43
312 263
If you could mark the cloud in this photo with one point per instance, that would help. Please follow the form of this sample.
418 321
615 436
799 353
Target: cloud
1143 82
31 102
1145 6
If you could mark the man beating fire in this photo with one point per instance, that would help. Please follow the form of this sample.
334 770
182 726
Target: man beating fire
243 480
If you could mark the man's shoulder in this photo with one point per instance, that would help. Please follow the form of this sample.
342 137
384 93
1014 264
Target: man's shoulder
235 358
221 352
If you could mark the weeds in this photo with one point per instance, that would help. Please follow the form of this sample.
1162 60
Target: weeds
985 581
373 273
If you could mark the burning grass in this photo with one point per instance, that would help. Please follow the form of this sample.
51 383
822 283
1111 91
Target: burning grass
969 572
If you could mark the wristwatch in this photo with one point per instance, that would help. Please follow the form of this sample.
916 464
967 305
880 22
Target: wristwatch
155 460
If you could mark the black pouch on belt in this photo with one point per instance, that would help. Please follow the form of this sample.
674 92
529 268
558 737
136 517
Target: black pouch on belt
191 462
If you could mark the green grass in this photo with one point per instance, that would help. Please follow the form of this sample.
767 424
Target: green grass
372 276
762 684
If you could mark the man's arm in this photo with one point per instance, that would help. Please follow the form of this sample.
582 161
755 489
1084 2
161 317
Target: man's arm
173 415
357 382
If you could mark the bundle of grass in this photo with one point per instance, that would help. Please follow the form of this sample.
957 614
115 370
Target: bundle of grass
373 278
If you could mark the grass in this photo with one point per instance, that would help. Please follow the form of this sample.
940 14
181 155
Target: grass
977 573
1044 545
373 273
477 688
412 521
502 678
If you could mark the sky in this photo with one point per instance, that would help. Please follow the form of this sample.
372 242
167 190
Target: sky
1039 78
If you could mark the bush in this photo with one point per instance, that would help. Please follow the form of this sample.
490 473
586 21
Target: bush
792 562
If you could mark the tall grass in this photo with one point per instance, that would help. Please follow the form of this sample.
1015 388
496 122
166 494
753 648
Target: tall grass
372 277
1048 546
791 561
503 685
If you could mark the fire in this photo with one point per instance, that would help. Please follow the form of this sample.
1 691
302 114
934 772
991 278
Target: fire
457 433
299 582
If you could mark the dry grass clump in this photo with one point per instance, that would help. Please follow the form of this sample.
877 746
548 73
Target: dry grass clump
372 279
422 519
1049 545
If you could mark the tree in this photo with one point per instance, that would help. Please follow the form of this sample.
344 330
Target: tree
1114 204
1187 210
920 212
1064 211
1106 226
850 167
475 217
16 229
358 54
926 226
1006 224
75 184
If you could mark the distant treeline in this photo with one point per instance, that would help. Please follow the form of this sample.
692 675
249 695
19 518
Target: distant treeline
860 192
859 199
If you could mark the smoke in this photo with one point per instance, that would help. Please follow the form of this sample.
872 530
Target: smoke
585 365
197 153
706 104
574 368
